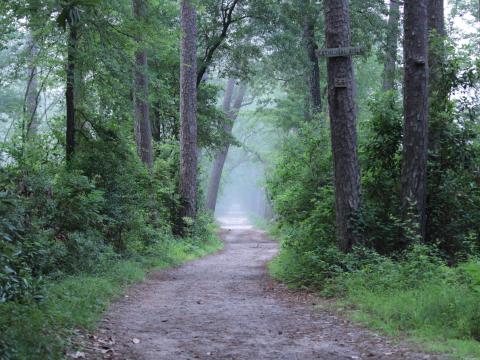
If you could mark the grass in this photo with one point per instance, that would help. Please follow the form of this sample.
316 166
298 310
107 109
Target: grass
441 317
43 330
417 298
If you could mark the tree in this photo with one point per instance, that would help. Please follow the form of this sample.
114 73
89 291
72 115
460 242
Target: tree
31 94
436 16
215 39
220 157
438 88
72 20
188 110
313 72
436 49
341 93
70 15
415 133
391 53
143 131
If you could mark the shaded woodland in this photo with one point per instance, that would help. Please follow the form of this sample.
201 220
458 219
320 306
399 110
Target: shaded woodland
123 121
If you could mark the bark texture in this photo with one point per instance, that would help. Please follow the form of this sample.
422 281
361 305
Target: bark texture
436 31
188 110
143 129
341 93
221 156
391 56
438 91
32 93
436 16
313 71
415 134
70 91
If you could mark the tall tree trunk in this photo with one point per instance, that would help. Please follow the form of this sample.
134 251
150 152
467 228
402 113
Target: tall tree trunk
313 70
32 94
341 99
221 156
70 91
436 16
438 90
391 55
415 134
188 110
143 129
436 55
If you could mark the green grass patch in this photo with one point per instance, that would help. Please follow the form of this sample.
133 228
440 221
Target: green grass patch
443 317
43 330
416 297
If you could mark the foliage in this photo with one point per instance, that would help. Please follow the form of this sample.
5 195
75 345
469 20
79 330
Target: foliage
429 291
301 187
418 295
381 158
78 301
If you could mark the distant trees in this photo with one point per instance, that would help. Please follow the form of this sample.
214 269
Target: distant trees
391 48
415 133
231 112
31 94
188 110
341 99
313 72
143 130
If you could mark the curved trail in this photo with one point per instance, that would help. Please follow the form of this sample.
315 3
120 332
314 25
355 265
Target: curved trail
224 306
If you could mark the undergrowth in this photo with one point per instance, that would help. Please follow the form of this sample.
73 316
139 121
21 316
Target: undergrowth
416 295
43 330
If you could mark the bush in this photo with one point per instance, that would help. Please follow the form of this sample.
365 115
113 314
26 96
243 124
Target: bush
61 220
418 294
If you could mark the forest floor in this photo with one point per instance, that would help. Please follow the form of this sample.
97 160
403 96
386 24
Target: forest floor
225 306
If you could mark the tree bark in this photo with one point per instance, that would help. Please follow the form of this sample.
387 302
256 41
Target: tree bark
436 16
341 98
313 70
32 95
436 55
415 134
70 91
391 55
438 91
143 129
188 111
221 156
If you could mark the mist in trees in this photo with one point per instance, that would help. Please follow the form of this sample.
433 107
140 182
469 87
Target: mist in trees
348 128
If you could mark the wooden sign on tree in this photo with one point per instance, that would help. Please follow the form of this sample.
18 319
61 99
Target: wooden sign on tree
340 81
342 51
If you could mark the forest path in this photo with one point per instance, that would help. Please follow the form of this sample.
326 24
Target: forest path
225 306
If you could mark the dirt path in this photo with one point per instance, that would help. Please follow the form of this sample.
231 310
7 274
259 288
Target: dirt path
224 306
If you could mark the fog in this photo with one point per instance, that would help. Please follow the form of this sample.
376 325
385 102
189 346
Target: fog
242 192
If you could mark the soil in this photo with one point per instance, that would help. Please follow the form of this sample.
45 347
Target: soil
225 306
